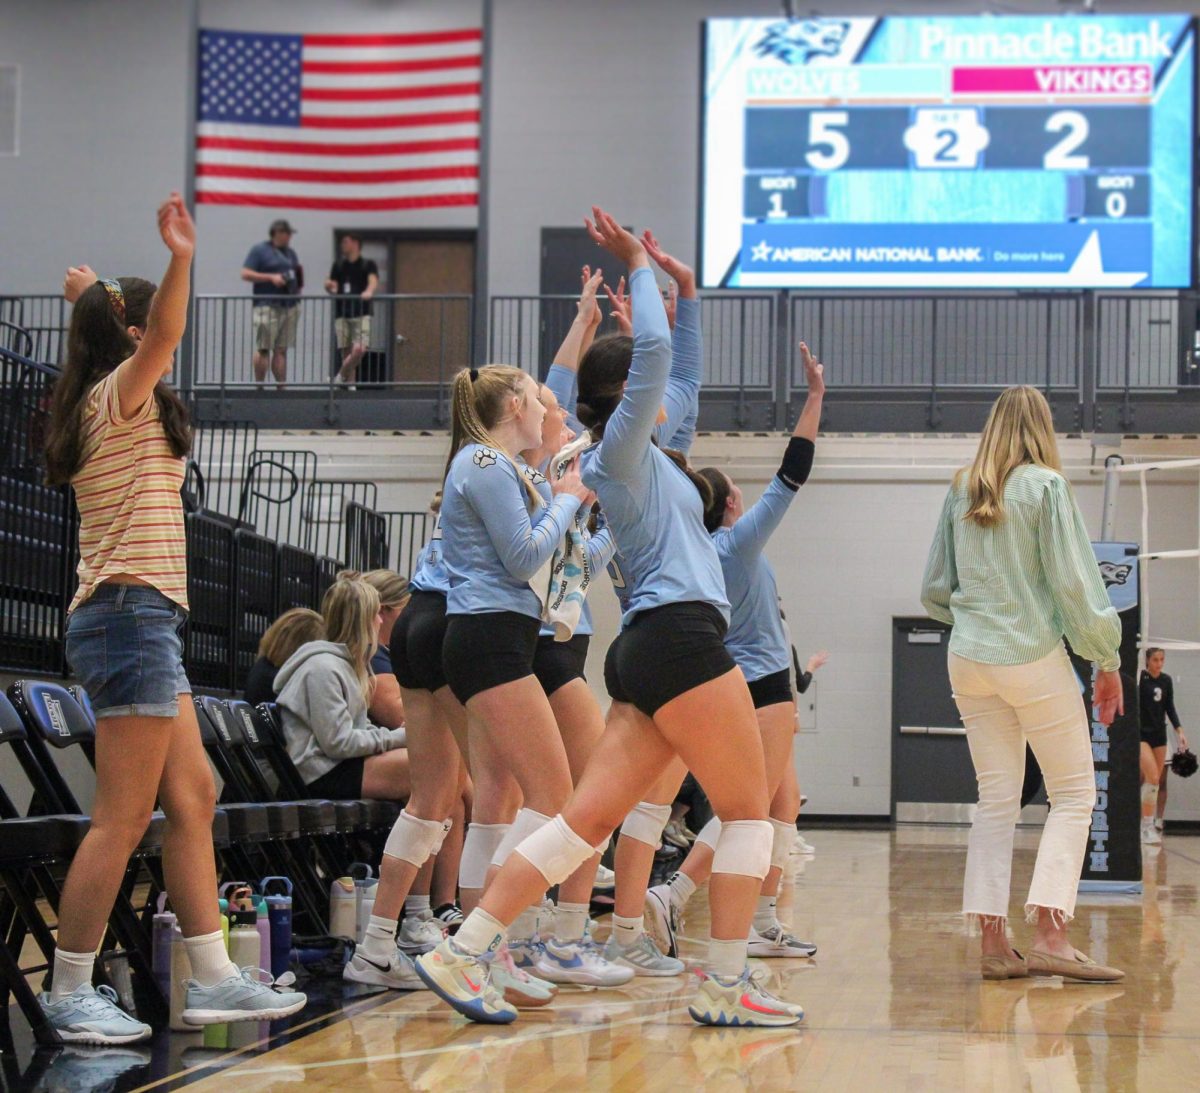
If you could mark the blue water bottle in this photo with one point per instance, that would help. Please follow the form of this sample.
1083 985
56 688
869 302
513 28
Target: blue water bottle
279 912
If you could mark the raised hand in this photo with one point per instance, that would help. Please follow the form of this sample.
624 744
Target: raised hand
176 227
589 309
77 281
621 308
671 266
816 661
607 233
814 371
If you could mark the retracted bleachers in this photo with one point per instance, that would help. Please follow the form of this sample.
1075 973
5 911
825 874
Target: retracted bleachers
254 562
366 538
210 560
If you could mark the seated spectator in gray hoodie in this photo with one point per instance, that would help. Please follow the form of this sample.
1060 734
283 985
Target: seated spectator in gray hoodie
324 692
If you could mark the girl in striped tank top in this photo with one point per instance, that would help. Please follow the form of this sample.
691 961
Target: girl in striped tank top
119 435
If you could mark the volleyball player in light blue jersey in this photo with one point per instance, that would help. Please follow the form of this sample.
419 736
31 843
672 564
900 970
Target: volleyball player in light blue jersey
671 664
759 644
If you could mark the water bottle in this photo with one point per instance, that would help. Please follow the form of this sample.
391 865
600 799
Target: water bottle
181 972
162 928
245 944
364 893
279 912
343 908
223 907
264 931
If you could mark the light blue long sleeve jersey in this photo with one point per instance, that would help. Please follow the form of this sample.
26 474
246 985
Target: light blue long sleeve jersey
429 574
756 639
599 548
654 511
681 401
493 544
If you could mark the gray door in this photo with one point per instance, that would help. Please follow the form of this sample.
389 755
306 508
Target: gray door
932 775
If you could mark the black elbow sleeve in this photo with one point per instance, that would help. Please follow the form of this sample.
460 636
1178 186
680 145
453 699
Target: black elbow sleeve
797 462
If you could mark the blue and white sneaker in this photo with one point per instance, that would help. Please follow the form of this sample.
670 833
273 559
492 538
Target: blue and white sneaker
663 919
251 995
525 952
91 1016
396 973
741 1001
462 981
578 962
643 957
776 941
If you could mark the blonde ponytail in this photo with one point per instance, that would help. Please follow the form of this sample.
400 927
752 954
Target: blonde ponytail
350 607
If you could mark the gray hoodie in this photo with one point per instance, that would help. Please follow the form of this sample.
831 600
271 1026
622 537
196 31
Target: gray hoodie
323 713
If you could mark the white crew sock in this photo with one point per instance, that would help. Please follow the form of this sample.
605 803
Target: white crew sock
379 940
71 971
417 907
525 925
682 889
627 930
727 958
480 933
570 920
764 914
209 958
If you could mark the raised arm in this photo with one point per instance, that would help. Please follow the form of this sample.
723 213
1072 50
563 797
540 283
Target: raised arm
155 353
629 431
681 399
1088 618
562 378
941 576
494 490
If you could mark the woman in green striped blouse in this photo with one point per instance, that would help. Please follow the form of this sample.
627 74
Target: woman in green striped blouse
1011 570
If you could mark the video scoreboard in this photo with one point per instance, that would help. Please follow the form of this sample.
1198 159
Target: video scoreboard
1037 152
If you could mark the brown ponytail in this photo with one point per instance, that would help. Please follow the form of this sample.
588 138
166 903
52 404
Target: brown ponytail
703 487
714 509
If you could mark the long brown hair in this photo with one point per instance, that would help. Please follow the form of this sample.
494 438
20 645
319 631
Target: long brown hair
714 507
286 634
602 375
478 398
1019 431
97 342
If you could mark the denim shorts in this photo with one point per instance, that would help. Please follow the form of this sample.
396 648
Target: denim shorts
125 646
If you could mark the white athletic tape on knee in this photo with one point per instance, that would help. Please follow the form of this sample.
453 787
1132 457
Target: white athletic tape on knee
782 837
1149 792
710 834
526 823
413 839
646 822
479 845
744 848
555 851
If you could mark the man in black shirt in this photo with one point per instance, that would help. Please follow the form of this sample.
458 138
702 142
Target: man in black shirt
1156 704
353 279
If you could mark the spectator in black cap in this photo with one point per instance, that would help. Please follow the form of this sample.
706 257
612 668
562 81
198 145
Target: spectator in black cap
277 276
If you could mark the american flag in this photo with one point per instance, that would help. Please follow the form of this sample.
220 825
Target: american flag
339 121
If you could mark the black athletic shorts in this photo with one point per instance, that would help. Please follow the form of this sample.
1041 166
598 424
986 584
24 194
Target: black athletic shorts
485 650
416 646
1155 737
773 689
343 783
666 652
556 663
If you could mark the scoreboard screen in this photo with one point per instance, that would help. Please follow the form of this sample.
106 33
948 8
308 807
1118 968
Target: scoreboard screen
1014 152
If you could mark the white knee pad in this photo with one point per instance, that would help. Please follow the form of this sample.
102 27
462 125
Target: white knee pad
646 822
413 840
526 823
1149 792
710 834
782 837
480 844
744 848
555 851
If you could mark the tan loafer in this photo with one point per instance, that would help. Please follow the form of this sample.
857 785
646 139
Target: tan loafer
1081 968
1003 967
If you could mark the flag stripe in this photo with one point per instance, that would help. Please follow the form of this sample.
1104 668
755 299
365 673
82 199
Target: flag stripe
227 158
375 204
362 112
311 148
359 41
379 94
376 54
338 137
315 67
290 174
392 79
386 121
337 189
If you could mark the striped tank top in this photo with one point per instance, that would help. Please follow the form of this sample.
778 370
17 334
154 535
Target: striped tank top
130 512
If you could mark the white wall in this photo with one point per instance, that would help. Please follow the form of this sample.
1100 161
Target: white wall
850 557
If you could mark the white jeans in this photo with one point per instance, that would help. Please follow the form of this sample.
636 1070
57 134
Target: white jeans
1002 706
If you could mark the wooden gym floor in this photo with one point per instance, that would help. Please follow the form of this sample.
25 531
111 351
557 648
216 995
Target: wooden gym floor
894 1002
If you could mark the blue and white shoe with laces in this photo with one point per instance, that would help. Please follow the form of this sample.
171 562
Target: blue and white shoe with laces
251 995
91 1016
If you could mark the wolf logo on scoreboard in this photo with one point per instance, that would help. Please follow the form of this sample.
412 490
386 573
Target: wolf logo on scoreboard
797 41
1115 573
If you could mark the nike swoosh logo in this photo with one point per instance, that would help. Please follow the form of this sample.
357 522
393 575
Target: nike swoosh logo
377 967
755 1008
474 987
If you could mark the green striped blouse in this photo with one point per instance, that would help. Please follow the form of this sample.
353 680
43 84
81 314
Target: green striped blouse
1013 590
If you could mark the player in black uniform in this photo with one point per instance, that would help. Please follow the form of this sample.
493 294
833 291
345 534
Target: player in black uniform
1156 701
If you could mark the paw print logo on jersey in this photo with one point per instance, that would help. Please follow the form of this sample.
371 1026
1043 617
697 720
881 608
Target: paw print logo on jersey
797 41
946 139
484 457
